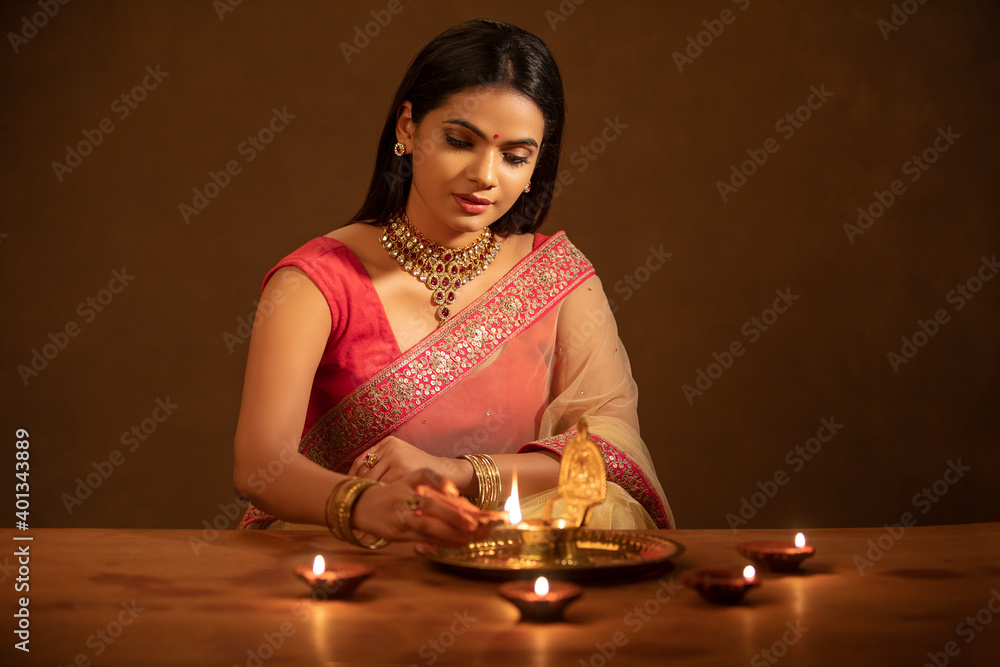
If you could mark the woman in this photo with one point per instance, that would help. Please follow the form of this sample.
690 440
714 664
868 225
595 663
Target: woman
435 342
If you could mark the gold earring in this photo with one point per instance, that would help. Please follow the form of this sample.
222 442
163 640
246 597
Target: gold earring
527 188
399 149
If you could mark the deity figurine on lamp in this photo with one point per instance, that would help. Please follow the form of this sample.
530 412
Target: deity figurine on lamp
582 485
559 541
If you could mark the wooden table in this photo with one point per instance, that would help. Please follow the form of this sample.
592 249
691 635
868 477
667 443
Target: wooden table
145 597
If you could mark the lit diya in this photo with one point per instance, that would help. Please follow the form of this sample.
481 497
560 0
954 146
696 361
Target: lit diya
722 585
777 556
582 485
541 601
340 581
561 547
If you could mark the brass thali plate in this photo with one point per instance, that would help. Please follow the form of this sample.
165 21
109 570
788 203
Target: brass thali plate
602 555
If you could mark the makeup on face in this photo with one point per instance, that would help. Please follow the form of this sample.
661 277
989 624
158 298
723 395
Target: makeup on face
466 177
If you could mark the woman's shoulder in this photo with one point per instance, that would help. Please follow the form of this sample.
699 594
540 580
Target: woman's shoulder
340 246
327 260
361 239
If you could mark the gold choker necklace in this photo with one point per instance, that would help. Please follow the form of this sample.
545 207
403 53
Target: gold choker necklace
442 270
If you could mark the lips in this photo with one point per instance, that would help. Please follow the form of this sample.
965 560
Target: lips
471 203
473 198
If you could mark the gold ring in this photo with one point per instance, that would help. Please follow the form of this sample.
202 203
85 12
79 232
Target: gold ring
371 458
413 502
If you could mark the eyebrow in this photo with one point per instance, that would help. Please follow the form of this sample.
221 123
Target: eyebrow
528 141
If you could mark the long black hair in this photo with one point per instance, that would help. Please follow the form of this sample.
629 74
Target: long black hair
481 52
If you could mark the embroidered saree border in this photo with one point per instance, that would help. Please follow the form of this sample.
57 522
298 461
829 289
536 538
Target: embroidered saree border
621 470
414 381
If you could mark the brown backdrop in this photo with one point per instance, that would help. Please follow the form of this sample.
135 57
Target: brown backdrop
650 136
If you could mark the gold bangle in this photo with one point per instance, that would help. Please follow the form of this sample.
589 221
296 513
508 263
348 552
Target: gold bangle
339 505
488 477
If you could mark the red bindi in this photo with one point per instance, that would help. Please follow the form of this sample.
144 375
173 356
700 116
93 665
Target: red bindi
496 136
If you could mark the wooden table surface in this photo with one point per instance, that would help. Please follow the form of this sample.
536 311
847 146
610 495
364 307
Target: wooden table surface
155 597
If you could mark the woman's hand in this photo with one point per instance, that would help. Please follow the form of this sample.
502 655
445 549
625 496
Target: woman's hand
392 459
421 506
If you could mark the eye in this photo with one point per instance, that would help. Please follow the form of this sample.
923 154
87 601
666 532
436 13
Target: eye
456 143
510 158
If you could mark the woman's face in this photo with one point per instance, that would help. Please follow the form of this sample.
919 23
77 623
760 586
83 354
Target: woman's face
472 158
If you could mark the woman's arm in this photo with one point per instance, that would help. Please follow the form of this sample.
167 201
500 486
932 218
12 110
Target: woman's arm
286 346
285 351
536 471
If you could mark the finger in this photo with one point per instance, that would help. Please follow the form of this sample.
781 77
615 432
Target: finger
432 506
433 479
356 465
424 528
457 503
389 473
375 474
361 465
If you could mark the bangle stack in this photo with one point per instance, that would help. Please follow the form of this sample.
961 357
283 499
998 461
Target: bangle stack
488 476
339 506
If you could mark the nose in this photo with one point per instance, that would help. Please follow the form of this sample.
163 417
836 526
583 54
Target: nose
483 168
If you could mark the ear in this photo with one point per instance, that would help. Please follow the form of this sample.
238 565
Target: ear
405 126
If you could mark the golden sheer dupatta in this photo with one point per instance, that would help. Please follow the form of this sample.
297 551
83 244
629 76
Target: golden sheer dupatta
506 371
592 378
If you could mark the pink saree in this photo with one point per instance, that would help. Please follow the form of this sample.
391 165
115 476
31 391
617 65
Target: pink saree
512 372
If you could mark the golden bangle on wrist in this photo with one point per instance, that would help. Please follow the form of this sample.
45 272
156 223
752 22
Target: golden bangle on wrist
488 476
339 505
